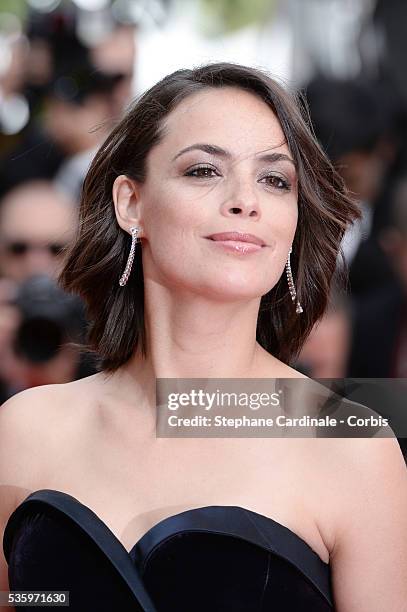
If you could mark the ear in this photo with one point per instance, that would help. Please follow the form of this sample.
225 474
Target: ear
126 199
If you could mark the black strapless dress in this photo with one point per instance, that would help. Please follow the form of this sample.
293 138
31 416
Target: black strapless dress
212 559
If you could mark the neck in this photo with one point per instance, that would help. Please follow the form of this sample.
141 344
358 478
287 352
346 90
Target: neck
192 336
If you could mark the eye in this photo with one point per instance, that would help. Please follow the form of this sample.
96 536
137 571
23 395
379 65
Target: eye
202 172
278 182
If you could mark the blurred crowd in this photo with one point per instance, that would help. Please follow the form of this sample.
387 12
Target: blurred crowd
60 94
59 97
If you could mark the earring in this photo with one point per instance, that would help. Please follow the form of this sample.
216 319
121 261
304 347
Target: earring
135 231
291 286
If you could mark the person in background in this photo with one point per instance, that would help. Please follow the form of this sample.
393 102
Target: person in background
354 123
379 343
115 55
326 350
37 221
379 336
73 94
42 347
80 111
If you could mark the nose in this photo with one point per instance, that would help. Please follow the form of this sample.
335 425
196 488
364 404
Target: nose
242 201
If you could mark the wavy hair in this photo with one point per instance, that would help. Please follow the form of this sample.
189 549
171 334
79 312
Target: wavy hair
96 259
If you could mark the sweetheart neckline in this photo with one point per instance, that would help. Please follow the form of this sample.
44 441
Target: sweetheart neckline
241 523
172 519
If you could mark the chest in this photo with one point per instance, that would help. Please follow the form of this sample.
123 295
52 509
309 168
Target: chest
133 488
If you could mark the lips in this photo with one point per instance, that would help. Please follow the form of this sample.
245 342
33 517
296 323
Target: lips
237 237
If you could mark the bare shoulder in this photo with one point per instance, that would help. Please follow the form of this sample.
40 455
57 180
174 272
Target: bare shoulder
32 402
35 430
344 478
34 422
26 413
370 519
26 422
355 468
30 406
25 425
370 469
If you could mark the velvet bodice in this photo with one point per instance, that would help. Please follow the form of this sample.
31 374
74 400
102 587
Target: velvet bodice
212 559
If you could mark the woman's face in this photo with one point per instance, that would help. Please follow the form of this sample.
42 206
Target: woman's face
222 166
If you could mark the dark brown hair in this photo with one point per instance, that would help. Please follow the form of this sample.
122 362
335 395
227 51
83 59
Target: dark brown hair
97 258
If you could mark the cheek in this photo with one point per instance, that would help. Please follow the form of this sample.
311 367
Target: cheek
281 222
281 227
173 223
175 217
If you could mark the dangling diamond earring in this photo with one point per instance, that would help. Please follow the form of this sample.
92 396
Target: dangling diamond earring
291 286
135 231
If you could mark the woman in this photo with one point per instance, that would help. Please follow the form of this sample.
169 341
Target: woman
235 217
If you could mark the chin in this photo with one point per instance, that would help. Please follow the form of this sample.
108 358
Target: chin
249 285
228 291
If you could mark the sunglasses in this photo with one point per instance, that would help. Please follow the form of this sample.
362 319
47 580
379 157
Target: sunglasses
19 248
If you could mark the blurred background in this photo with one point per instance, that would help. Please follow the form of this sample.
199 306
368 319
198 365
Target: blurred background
68 68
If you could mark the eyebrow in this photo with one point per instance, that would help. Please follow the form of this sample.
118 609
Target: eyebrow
219 152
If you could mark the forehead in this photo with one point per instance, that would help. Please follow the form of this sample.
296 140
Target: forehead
230 117
37 212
